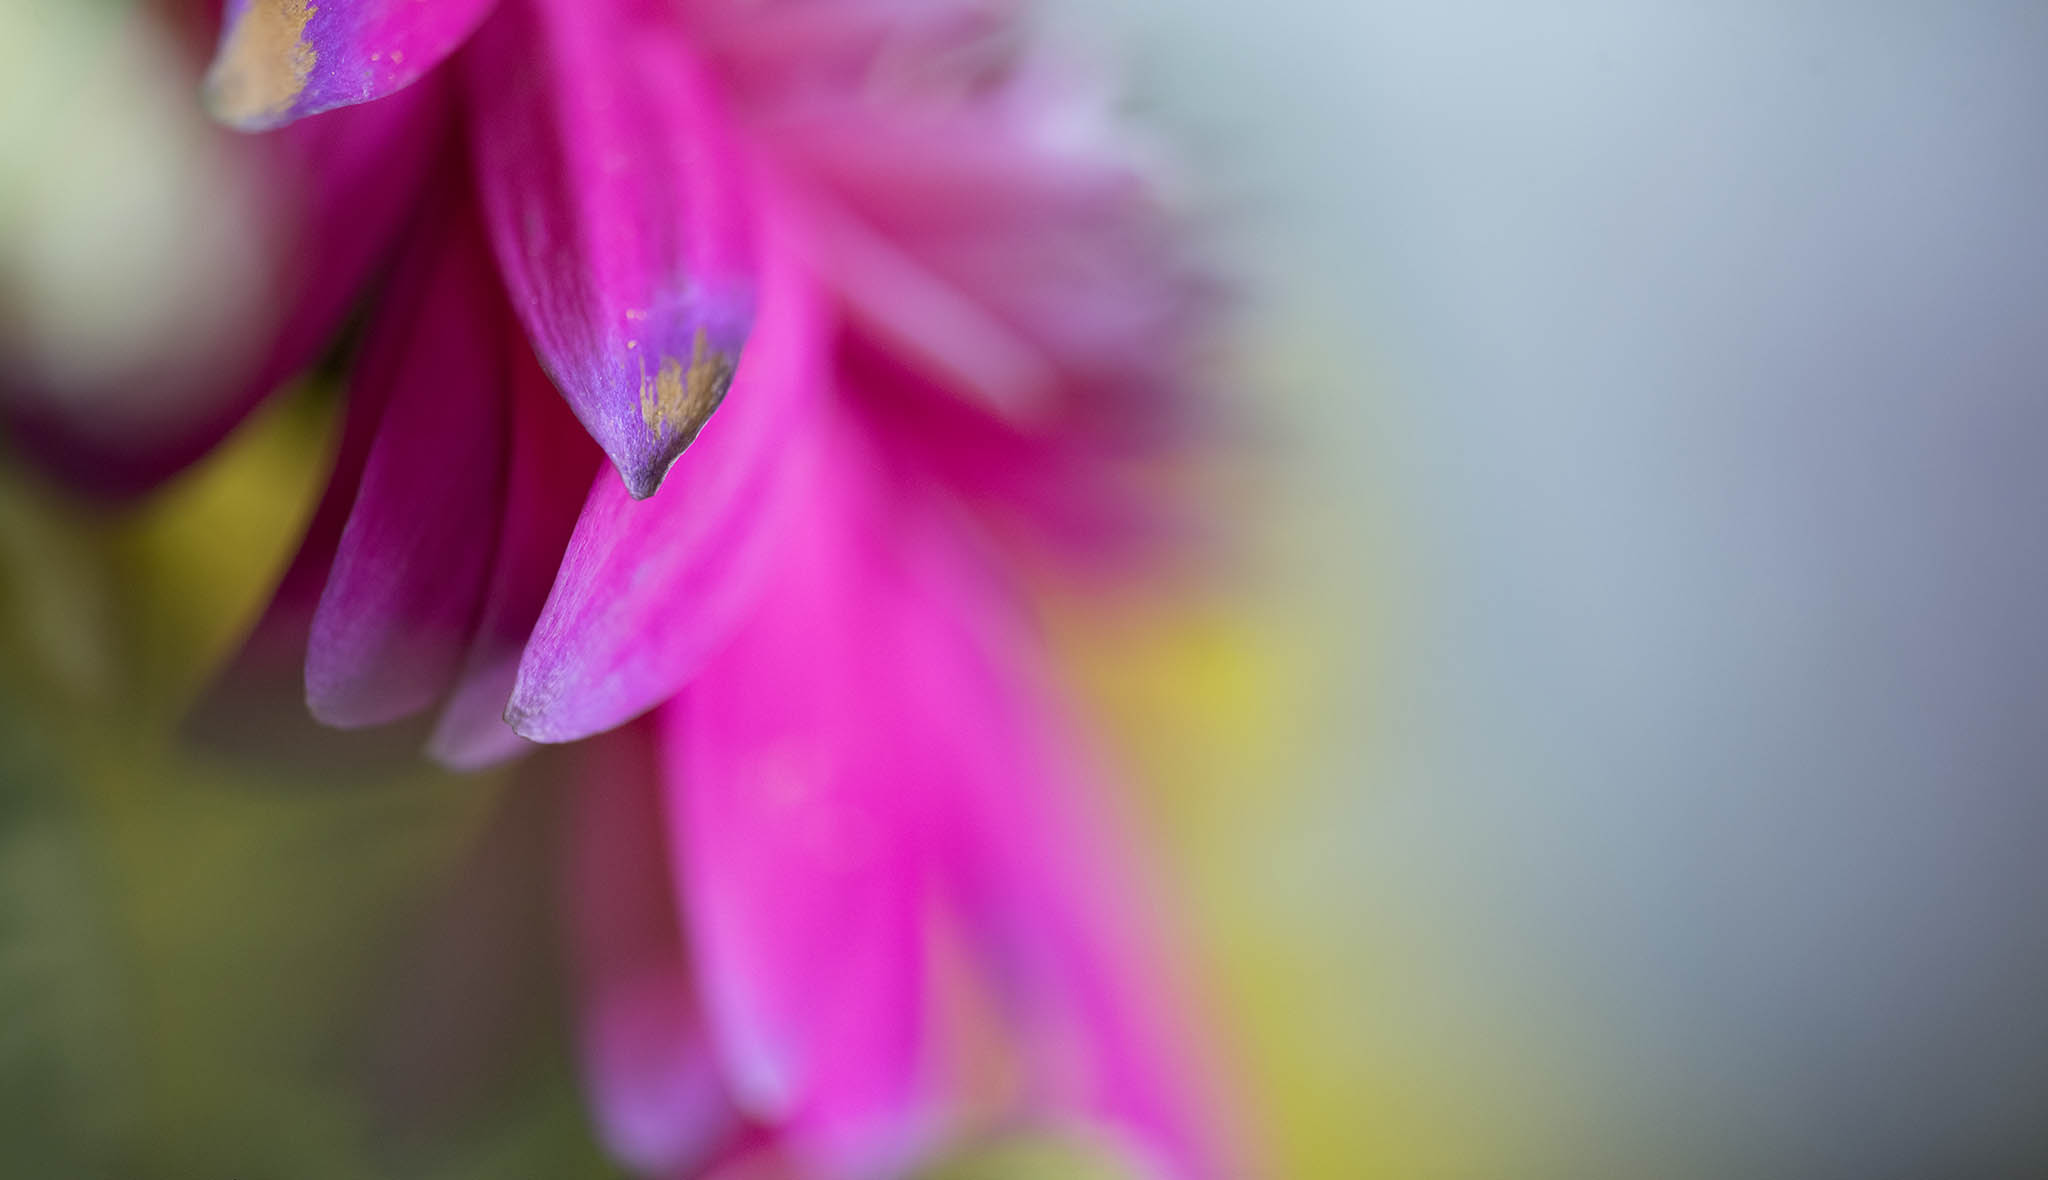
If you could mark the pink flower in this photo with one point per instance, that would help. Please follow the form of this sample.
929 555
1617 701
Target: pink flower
854 297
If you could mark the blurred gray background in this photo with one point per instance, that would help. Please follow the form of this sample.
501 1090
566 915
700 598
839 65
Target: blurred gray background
1667 382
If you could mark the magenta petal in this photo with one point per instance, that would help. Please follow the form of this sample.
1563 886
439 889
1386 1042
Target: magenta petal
255 703
281 60
1031 852
1107 1032
619 206
1077 493
549 471
1024 842
409 573
648 589
654 1088
802 771
1006 246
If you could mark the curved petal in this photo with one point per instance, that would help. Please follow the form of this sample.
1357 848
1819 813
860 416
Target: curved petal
1032 854
802 778
619 206
281 60
655 1092
409 572
1105 1030
647 590
256 702
548 473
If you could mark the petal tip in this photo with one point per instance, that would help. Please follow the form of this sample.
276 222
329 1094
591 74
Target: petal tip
531 719
466 753
643 480
676 401
518 717
646 468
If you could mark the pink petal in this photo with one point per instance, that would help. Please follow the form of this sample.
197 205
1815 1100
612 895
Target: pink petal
550 469
974 204
619 206
801 767
1077 493
654 1089
256 703
1034 855
894 297
409 572
281 60
647 590
771 54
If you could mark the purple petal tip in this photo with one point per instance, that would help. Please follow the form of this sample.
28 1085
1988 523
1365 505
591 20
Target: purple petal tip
281 60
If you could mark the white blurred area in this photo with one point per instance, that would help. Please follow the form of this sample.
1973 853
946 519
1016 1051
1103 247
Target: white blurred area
133 236
1671 383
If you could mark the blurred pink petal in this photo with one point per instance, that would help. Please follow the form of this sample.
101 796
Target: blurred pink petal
1048 888
655 1088
801 787
1078 492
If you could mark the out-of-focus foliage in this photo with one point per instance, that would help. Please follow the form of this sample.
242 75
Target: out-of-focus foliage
195 956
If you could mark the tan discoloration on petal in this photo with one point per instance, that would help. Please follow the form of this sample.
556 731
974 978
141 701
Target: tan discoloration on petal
682 398
263 65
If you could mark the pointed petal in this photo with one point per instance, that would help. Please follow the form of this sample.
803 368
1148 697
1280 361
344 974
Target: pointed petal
256 702
281 60
619 207
255 706
408 574
648 589
801 775
551 467
654 1088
